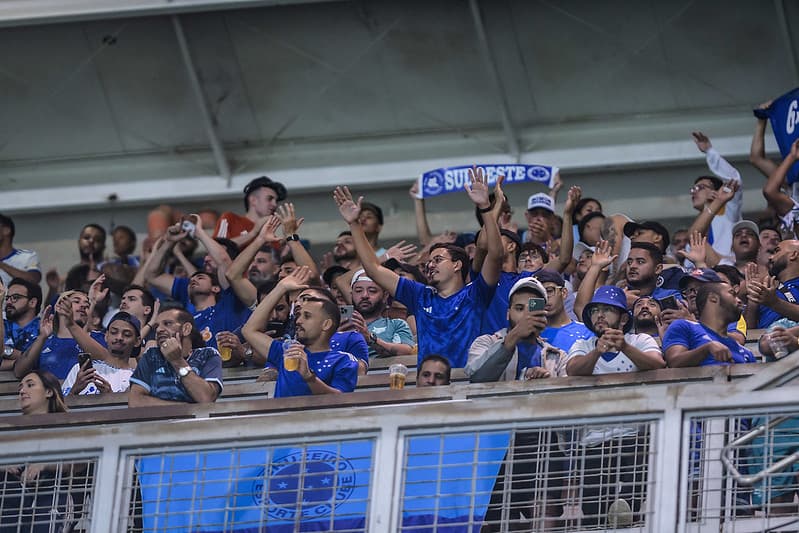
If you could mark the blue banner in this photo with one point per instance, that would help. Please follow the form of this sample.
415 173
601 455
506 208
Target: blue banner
449 479
326 487
264 490
784 117
452 179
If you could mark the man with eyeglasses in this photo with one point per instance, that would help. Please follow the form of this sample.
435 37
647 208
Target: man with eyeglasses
613 478
448 311
23 301
717 198
561 330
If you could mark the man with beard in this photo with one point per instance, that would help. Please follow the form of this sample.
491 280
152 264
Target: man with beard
745 244
689 287
448 312
260 260
561 331
344 253
706 342
613 478
646 317
775 298
23 301
614 349
110 368
91 244
179 370
55 349
385 336
308 363
644 265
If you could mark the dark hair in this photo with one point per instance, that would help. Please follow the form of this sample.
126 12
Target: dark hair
131 235
731 272
231 247
374 208
34 291
550 276
456 254
270 251
263 181
439 359
98 227
654 251
345 233
329 308
77 278
584 221
579 206
287 259
331 273
266 287
702 293
56 402
533 247
147 298
184 317
717 182
7 222
323 291
212 275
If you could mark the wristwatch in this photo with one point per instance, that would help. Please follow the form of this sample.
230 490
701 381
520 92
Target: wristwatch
372 338
184 371
248 354
293 237
8 351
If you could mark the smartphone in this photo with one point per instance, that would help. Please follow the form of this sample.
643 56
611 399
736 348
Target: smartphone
277 326
669 302
536 304
189 227
84 360
346 312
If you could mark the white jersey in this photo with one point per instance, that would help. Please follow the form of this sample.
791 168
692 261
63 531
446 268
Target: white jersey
26 260
119 378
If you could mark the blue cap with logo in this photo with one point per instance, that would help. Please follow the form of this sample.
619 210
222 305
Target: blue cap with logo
608 295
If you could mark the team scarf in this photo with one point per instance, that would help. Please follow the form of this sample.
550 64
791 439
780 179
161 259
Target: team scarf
452 179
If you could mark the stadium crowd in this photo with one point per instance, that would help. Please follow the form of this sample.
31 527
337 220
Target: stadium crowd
580 292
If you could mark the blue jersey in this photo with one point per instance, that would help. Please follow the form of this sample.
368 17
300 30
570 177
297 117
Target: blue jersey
20 338
768 315
496 316
60 355
693 335
337 369
529 356
226 315
350 342
160 379
564 336
446 326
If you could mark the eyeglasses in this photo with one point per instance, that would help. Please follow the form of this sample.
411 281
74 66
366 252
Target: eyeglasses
690 291
437 260
604 309
699 186
16 297
528 256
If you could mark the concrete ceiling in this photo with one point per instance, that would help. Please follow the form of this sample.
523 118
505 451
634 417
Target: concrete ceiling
177 100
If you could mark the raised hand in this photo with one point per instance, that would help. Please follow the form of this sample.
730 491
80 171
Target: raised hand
727 191
602 257
171 349
702 141
414 190
401 251
572 197
698 251
795 149
499 198
477 187
175 233
46 322
349 209
2 291
762 292
296 280
63 308
96 292
267 231
291 224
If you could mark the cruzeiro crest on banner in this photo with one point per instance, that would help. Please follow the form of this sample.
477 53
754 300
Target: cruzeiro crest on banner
433 183
328 481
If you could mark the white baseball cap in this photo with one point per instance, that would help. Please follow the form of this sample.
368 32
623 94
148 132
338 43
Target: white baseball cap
541 200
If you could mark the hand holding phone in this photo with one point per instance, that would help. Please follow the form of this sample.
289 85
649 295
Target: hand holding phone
536 304
346 312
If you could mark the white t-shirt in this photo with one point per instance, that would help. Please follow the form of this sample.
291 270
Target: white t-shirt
619 363
26 260
119 378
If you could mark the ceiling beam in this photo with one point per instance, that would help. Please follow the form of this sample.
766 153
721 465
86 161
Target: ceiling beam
210 130
496 81
34 12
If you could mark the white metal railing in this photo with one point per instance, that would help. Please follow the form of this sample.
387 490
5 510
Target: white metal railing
498 458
